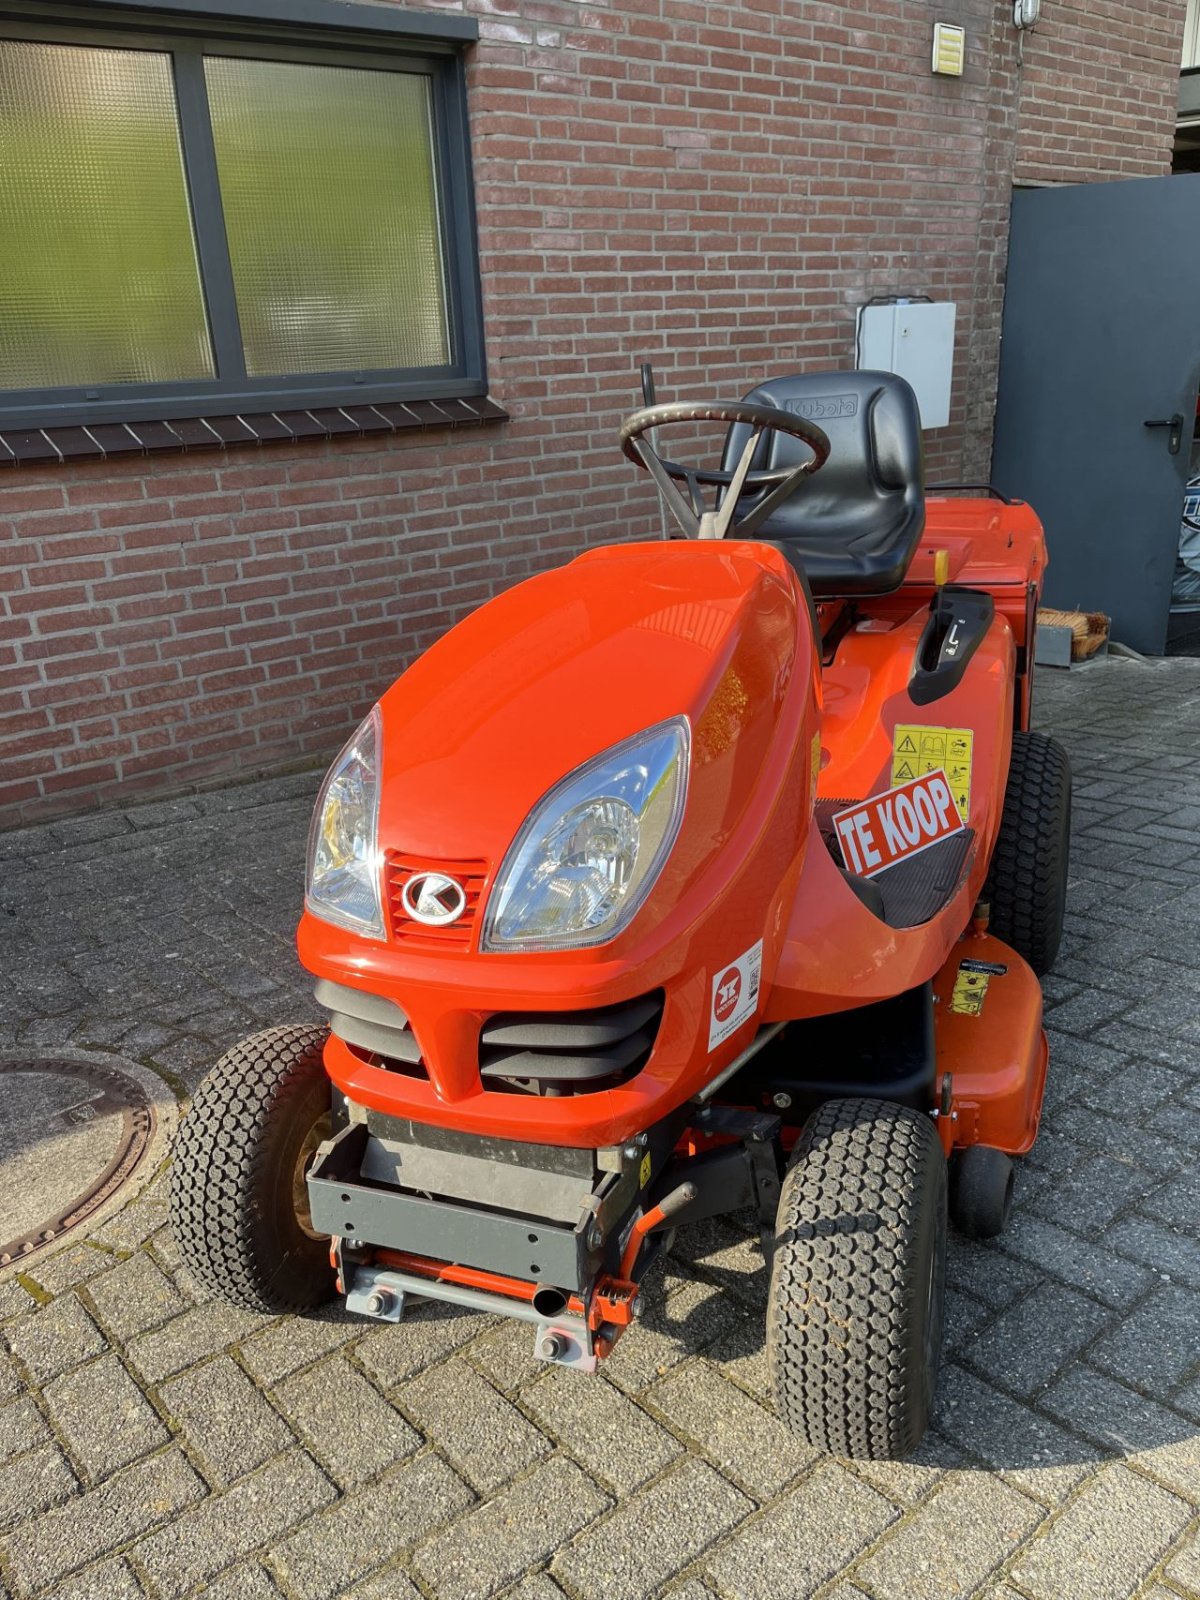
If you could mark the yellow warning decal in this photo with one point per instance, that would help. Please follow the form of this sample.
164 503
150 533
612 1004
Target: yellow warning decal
917 750
970 991
644 1171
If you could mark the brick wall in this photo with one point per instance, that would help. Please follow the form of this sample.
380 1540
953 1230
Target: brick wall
1099 86
715 187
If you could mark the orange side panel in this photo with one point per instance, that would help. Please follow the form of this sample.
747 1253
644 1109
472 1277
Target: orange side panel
992 546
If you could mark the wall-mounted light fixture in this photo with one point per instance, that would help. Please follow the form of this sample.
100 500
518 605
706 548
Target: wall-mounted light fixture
1026 13
949 49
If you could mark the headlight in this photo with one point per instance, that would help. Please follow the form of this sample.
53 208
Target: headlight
343 853
589 854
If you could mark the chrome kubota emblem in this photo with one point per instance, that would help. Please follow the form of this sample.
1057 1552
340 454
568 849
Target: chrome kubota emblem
433 898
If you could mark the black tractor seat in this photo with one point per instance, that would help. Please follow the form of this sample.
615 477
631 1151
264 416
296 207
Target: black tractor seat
854 526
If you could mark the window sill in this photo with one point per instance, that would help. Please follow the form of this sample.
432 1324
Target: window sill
52 446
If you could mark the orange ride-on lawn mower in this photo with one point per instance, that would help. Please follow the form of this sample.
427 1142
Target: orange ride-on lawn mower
694 876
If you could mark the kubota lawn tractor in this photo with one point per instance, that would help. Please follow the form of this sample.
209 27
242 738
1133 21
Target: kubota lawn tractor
697 876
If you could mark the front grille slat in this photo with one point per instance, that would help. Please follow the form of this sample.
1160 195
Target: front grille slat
565 1066
539 1030
573 1051
400 1046
376 1028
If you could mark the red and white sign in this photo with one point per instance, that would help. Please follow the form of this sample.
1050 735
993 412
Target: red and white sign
729 989
891 827
734 995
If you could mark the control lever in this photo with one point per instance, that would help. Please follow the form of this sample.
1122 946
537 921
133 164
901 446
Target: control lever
958 621
670 1205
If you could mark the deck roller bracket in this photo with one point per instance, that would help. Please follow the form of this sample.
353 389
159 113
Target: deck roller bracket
944 1114
565 1340
376 1292
562 1346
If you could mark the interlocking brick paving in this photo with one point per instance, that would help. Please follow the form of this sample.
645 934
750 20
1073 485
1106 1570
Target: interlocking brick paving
158 1445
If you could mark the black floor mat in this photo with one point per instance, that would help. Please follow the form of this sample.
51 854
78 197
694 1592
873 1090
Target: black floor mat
914 890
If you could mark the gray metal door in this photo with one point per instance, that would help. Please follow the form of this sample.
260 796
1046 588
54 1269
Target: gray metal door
1101 336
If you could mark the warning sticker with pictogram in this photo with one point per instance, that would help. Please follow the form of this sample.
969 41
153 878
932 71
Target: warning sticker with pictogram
734 995
971 987
918 750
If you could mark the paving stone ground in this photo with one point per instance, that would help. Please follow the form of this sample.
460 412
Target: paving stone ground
155 1444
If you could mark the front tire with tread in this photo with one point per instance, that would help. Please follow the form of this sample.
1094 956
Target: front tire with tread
854 1315
237 1171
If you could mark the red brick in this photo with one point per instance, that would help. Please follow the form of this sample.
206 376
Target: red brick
76 667
16 497
13 720
79 780
90 491
74 617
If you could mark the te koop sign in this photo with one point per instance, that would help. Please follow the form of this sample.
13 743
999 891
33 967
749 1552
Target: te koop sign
887 828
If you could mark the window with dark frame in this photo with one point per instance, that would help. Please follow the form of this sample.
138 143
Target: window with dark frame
209 220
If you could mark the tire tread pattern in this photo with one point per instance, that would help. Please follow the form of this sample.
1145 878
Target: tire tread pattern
846 1311
221 1170
1027 882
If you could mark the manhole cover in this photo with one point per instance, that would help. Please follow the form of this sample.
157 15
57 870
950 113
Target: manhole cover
72 1134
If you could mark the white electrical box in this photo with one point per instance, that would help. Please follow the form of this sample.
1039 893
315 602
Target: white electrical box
916 341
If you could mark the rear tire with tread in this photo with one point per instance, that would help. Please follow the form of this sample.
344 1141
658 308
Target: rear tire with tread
237 1167
1027 882
854 1316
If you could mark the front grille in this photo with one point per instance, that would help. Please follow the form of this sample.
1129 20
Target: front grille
376 1030
568 1052
399 867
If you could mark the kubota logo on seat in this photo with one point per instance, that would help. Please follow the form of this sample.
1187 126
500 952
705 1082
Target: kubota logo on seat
433 898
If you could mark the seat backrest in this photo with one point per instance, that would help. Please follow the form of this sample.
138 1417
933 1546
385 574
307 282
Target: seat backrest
855 524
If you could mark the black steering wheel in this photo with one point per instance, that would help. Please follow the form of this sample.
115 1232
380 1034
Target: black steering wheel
774 486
